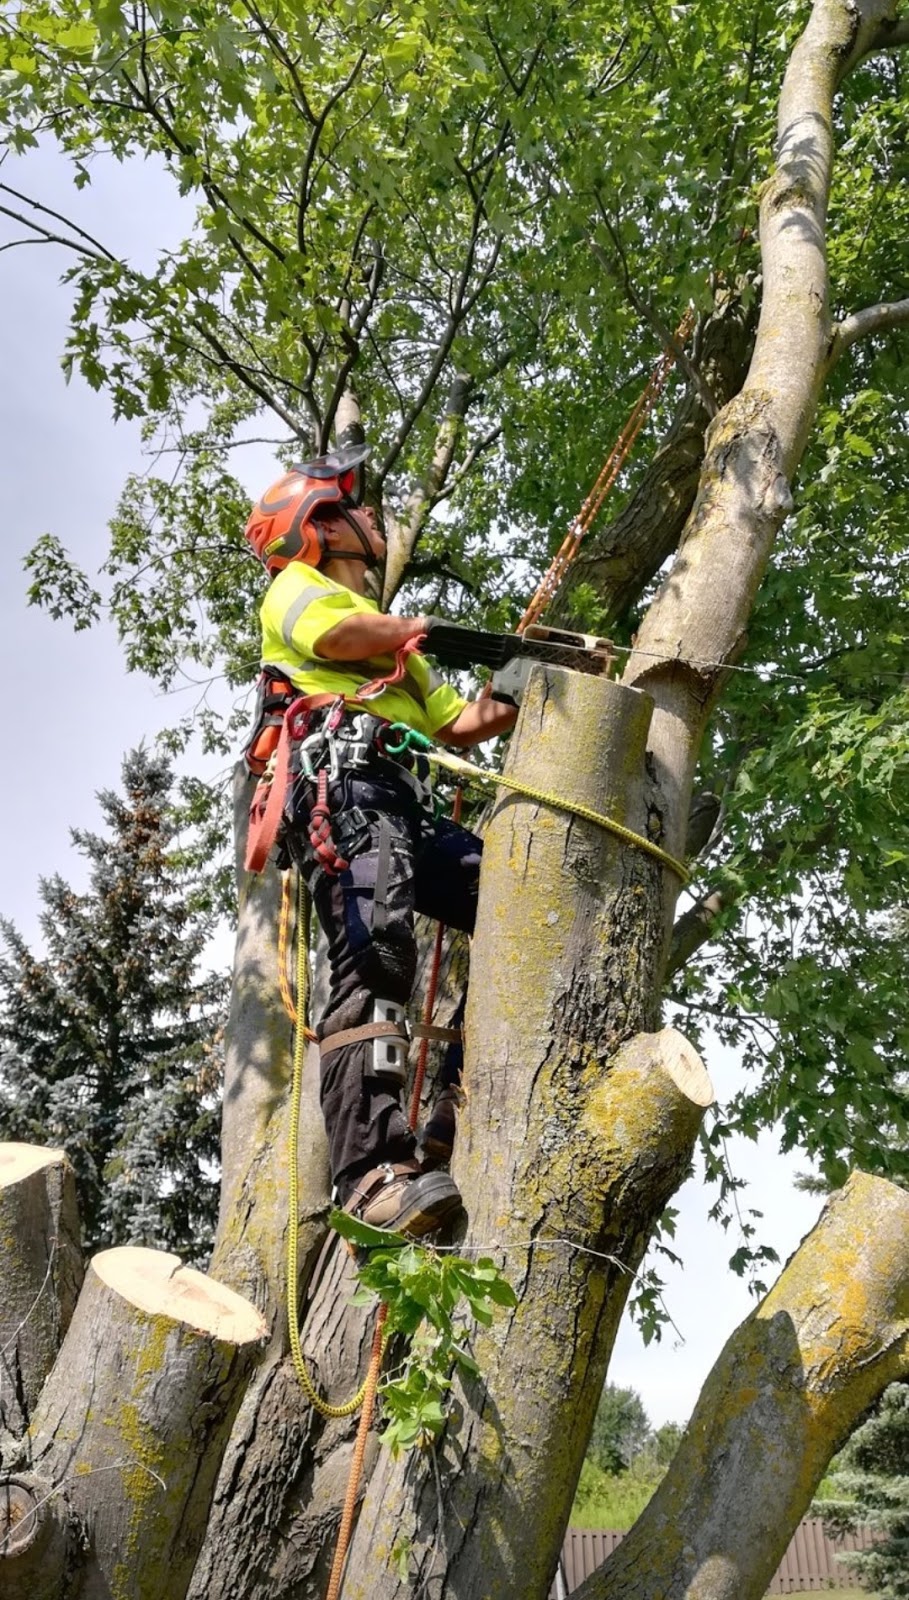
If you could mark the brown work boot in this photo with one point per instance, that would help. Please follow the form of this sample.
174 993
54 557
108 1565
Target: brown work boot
438 1138
401 1197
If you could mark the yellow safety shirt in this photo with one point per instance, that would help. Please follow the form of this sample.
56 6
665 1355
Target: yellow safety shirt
300 606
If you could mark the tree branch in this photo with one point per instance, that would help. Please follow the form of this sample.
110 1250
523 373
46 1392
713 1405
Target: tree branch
422 497
891 35
647 312
871 319
309 158
98 250
784 1394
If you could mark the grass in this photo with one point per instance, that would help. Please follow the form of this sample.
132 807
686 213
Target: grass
605 1500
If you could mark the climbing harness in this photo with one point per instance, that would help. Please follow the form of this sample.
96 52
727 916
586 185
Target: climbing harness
294 752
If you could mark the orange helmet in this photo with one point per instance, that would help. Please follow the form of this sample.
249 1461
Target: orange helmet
282 527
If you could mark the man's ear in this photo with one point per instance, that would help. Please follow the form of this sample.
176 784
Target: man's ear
330 530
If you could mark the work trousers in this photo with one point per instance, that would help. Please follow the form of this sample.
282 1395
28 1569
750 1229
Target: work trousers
401 863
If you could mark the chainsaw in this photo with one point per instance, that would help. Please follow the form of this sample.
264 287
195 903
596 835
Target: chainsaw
508 655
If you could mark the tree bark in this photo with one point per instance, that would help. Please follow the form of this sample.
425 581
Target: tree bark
134 1418
785 1394
250 1247
40 1273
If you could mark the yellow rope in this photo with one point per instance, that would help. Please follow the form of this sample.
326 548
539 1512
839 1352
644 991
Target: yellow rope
300 1032
464 769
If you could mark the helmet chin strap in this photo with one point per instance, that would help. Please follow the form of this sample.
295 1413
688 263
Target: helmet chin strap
365 554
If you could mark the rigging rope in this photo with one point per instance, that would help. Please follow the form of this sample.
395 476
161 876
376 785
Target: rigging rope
552 580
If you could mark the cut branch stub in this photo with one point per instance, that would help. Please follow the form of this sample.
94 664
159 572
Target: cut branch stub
33 1538
784 1395
40 1272
135 1415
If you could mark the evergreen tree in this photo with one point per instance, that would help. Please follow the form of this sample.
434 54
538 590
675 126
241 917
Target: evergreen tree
110 1041
871 1485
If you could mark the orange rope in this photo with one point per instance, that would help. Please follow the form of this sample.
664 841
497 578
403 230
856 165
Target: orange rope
283 941
356 1465
612 466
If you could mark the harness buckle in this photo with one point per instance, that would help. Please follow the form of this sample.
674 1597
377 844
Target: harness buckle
389 1051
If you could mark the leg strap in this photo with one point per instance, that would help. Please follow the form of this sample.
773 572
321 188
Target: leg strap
388 1056
428 1030
369 1030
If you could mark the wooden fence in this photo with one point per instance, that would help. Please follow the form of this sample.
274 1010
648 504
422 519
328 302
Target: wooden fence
809 1564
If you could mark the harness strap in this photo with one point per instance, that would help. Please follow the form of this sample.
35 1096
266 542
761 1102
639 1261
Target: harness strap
267 806
435 1035
369 691
367 1030
383 866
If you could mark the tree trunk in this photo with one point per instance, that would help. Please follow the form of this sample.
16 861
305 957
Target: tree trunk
279 1495
576 1134
40 1273
785 1394
134 1418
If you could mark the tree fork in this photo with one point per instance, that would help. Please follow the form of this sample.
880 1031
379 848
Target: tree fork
785 1393
133 1420
577 1131
40 1272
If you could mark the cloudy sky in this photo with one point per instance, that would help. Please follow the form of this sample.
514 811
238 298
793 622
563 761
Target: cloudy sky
69 709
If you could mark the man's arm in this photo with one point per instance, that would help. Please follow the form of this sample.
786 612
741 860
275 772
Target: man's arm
368 634
480 719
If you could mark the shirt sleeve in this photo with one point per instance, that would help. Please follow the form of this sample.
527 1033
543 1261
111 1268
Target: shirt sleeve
443 705
311 610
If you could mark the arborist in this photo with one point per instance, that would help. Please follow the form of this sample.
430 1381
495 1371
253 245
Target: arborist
359 824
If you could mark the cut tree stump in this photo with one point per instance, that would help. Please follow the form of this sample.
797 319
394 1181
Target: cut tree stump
134 1418
40 1272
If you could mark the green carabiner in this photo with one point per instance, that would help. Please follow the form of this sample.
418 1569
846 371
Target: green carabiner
410 739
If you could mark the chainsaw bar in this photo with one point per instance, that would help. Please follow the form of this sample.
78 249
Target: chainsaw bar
454 646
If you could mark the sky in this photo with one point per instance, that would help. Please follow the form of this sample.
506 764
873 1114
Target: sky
70 710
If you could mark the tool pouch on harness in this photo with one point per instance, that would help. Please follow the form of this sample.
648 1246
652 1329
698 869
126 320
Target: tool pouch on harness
274 694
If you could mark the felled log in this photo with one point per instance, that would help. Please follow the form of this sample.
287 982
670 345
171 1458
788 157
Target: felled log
40 1272
134 1417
